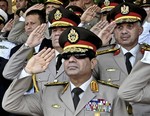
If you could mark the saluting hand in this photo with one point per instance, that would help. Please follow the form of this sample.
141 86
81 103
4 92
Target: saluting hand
99 26
39 62
36 36
106 33
90 13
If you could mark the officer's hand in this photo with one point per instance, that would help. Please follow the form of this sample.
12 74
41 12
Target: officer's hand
99 26
89 14
39 62
106 33
36 36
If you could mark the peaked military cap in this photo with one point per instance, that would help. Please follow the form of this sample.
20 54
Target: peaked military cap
79 40
3 16
61 17
107 5
77 10
126 12
145 3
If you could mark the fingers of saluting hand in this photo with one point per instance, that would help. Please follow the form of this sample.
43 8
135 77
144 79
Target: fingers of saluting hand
110 27
47 54
40 29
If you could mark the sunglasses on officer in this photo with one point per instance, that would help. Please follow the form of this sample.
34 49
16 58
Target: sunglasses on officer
67 56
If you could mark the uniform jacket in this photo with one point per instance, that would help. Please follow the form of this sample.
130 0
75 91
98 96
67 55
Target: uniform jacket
57 100
111 68
17 62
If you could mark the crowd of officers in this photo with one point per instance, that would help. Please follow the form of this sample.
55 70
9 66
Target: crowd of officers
75 58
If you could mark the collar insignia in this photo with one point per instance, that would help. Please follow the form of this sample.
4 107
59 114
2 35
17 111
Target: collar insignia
57 15
73 36
125 9
94 86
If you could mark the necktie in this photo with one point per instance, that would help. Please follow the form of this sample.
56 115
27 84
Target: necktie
128 63
59 62
77 91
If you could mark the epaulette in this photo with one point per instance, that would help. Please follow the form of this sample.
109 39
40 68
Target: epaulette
56 83
108 49
113 50
108 84
145 47
66 87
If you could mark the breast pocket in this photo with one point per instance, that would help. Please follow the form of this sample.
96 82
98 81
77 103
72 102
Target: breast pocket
110 74
58 112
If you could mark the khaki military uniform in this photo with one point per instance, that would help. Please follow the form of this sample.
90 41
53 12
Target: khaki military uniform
56 100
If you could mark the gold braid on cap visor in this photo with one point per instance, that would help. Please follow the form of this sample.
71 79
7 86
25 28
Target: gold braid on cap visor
108 8
127 19
77 48
54 1
61 23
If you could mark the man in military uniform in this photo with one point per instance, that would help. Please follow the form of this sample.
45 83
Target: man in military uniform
117 60
82 96
135 88
60 19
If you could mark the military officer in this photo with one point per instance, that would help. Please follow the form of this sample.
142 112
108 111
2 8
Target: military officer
114 64
81 96
60 19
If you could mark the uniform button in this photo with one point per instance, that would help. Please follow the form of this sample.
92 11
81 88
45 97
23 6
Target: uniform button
109 80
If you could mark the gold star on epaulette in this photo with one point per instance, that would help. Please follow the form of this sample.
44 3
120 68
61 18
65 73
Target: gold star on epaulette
56 83
108 84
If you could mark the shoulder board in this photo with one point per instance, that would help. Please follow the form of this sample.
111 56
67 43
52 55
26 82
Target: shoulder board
56 83
112 50
145 47
108 84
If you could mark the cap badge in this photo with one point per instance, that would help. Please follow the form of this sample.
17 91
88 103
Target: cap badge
71 9
73 36
57 15
106 2
125 9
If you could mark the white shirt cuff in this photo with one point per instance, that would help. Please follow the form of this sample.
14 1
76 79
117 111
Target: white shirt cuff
24 74
22 19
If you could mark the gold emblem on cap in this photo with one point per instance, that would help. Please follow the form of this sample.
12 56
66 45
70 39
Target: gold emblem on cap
106 2
73 36
125 9
71 9
57 15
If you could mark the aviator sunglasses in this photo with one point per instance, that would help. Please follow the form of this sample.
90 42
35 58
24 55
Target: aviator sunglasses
66 56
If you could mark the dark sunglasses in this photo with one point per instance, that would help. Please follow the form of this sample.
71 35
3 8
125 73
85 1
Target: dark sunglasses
77 56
